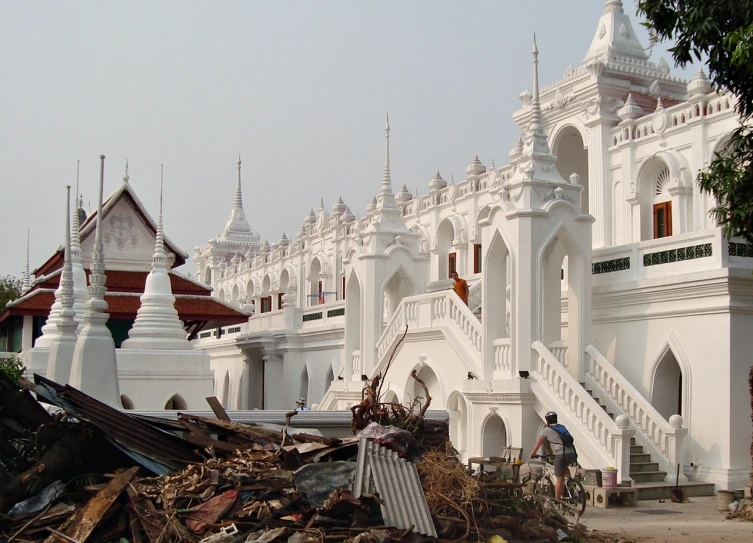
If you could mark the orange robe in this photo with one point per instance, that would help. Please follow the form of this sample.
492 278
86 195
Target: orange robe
461 289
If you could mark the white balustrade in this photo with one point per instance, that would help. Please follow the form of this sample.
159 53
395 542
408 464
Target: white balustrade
474 296
559 350
431 310
357 371
663 439
502 362
610 441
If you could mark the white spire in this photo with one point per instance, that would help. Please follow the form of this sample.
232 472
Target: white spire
60 358
80 292
238 199
95 368
535 124
386 198
126 177
157 324
237 229
386 176
27 277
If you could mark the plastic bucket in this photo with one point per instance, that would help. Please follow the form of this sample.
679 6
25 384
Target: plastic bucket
609 478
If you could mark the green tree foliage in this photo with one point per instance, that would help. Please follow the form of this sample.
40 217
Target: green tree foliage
10 289
721 32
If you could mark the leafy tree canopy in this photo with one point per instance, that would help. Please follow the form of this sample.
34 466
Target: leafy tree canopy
10 289
720 31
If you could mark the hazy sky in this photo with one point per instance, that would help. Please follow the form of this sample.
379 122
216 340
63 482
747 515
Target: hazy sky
298 88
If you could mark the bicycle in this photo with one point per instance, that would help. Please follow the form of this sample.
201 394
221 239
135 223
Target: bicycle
542 472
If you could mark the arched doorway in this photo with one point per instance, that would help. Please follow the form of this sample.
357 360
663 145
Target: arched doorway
235 296
458 411
175 403
352 355
666 392
447 258
126 401
572 157
389 397
316 284
655 200
494 436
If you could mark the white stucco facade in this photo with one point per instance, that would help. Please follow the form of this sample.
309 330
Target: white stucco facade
592 262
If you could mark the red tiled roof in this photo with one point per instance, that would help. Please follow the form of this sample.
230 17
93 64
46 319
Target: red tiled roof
125 306
134 281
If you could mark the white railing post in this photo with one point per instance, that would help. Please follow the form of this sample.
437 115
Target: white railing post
621 447
676 445
356 361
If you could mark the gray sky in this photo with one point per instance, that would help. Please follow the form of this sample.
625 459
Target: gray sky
299 89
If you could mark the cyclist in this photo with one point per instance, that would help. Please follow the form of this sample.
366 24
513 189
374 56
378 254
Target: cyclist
551 435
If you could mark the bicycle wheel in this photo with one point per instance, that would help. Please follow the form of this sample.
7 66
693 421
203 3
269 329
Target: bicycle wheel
575 495
543 485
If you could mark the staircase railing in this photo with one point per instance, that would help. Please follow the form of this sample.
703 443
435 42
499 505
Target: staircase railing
600 439
474 296
436 309
663 440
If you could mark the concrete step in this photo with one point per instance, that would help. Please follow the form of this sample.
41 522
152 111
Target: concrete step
663 491
636 449
642 467
649 476
638 458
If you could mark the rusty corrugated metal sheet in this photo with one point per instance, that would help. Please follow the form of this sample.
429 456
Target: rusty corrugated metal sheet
398 485
155 449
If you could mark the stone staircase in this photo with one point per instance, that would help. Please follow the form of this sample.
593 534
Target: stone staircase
648 479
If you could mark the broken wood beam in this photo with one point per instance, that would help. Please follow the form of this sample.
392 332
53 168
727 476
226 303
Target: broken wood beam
83 522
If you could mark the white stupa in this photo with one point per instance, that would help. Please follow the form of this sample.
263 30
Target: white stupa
157 324
95 368
80 292
60 357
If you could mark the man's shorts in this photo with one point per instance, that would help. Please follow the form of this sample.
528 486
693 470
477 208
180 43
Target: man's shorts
560 466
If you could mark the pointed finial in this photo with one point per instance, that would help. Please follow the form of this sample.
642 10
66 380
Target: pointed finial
76 227
126 177
535 124
27 278
386 175
321 204
238 199
159 258
98 228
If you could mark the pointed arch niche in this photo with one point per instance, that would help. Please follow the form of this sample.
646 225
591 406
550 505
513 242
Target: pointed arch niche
126 401
562 271
397 287
496 308
316 283
493 435
415 391
226 390
667 388
572 157
176 403
303 391
352 366
458 411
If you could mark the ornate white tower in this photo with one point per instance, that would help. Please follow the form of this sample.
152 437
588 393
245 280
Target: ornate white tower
95 368
157 324
61 351
80 292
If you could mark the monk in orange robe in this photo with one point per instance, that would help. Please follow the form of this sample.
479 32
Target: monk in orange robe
460 287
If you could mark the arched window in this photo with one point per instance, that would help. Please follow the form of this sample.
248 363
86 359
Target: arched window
175 403
126 401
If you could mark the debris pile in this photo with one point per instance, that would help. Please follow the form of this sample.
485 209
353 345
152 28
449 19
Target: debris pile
86 472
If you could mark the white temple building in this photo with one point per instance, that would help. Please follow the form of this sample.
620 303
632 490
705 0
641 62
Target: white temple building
599 286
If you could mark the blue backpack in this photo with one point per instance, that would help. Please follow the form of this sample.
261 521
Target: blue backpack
568 446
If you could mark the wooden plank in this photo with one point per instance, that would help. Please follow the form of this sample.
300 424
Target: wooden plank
85 520
216 406
255 432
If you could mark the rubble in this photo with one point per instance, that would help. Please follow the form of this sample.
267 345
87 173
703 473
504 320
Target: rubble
83 471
